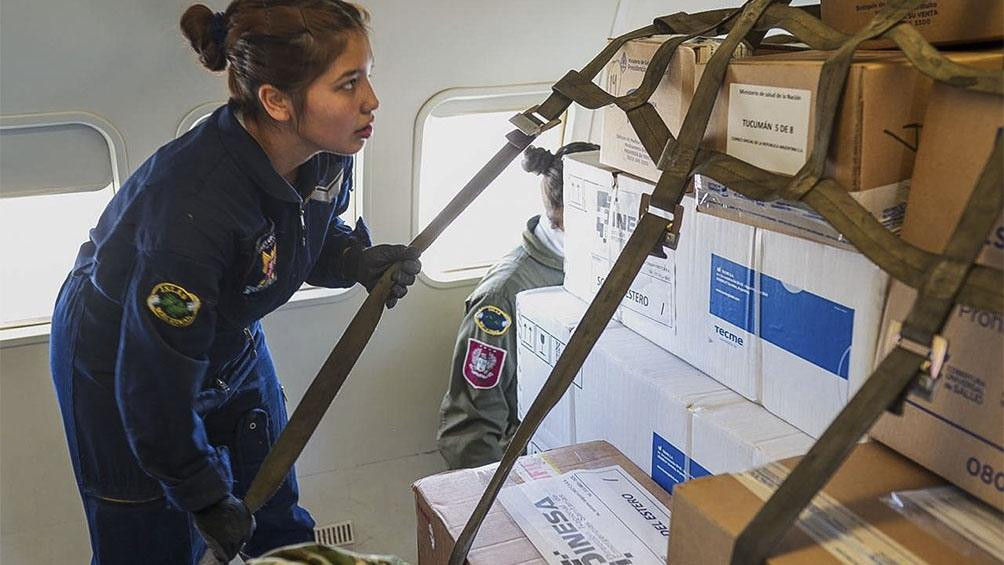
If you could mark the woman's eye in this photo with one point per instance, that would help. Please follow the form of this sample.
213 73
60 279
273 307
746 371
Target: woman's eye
350 85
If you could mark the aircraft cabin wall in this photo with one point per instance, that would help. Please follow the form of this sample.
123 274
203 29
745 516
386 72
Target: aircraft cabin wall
126 62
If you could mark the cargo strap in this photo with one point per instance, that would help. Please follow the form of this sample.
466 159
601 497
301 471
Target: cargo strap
650 231
943 280
343 357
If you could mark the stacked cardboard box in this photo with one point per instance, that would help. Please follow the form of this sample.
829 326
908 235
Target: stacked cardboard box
790 322
545 321
663 414
857 518
779 319
601 211
769 301
939 21
444 503
765 115
960 431
620 147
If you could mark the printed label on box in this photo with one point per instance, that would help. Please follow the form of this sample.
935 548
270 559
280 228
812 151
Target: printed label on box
806 325
652 290
731 296
696 471
590 516
769 126
668 463
886 203
648 295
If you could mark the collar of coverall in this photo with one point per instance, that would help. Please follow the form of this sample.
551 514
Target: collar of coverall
253 160
537 250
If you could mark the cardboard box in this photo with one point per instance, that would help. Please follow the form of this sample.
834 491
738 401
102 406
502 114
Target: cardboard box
849 517
734 437
820 315
545 320
629 392
959 433
765 115
601 211
642 401
939 21
887 204
781 320
656 409
770 316
620 147
444 502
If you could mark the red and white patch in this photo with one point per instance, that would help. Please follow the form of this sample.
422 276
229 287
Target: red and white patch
483 364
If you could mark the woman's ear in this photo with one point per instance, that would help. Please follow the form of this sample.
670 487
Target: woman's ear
276 103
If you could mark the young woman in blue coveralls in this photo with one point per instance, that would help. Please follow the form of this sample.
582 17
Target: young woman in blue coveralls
169 397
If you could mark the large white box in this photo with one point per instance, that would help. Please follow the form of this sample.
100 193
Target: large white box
602 208
781 320
646 402
546 318
819 323
739 436
713 291
789 322
638 397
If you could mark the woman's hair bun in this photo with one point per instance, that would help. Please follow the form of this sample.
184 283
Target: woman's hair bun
576 147
537 160
197 27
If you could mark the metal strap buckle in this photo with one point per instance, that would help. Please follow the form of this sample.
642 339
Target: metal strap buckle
675 218
935 355
530 124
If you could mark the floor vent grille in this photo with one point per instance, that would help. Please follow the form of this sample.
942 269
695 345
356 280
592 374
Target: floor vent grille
340 534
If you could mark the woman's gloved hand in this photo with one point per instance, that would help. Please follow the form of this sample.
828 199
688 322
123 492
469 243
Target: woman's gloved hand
226 526
366 265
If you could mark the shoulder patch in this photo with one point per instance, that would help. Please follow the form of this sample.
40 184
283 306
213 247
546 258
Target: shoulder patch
483 364
492 320
267 252
173 304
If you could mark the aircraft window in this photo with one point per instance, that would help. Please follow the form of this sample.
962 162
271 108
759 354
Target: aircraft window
457 132
46 210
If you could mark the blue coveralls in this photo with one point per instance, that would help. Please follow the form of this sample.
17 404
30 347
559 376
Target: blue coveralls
169 396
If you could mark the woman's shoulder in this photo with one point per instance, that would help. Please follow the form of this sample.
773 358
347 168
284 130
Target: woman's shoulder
188 161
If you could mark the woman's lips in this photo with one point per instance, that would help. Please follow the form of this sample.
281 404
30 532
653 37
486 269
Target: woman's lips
365 132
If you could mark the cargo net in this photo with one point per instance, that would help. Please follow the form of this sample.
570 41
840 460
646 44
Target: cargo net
943 281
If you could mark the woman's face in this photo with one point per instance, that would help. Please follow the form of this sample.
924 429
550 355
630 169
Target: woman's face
338 108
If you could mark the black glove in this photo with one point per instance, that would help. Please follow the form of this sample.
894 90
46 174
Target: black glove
226 526
366 265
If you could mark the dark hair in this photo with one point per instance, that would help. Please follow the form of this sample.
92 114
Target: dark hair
542 162
285 43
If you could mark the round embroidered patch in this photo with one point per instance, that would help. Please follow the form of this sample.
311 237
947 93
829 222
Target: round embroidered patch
492 320
173 304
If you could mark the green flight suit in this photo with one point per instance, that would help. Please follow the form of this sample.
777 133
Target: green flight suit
478 415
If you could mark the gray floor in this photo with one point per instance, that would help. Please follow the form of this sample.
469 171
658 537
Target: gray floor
376 497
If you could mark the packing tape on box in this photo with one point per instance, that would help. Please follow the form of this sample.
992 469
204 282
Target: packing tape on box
842 533
955 517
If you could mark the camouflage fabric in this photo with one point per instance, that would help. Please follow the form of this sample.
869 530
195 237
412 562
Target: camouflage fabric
317 554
